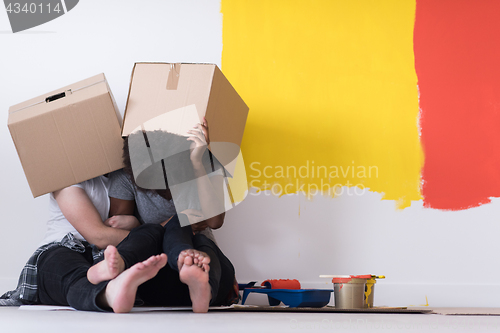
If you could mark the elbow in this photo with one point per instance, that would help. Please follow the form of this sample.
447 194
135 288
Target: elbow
216 222
101 243
100 240
215 226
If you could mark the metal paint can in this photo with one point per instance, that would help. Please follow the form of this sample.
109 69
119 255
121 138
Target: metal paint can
349 292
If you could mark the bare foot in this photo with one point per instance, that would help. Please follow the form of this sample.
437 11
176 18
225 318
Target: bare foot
120 292
196 278
109 268
198 258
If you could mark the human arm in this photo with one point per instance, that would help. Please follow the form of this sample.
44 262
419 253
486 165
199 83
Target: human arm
121 207
126 222
79 210
210 202
122 202
210 189
122 196
121 214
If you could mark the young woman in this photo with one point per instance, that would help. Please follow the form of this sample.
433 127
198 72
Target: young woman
56 274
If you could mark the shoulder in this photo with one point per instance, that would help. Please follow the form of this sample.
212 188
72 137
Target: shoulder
99 184
91 186
120 176
121 185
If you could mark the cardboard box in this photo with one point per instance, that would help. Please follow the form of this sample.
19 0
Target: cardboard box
68 135
173 97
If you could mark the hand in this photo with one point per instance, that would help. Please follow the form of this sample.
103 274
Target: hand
200 141
125 222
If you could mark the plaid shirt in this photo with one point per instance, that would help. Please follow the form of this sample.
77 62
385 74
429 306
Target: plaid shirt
26 291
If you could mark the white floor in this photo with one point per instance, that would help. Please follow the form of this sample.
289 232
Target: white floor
14 320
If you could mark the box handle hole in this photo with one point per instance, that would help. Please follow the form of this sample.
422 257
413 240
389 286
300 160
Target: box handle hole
57 96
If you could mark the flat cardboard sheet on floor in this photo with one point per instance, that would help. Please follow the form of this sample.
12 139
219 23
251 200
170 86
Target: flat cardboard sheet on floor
325 309
243 308
467 311
255 308
135 309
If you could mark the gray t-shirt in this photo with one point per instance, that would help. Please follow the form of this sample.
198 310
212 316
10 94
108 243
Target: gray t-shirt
151 207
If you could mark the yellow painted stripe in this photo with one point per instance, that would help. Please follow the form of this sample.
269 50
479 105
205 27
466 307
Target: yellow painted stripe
332 91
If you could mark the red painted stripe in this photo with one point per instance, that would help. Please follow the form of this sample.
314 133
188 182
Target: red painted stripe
457 60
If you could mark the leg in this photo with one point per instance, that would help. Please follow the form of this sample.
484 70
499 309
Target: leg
120 292
178 245
192 265
197 280
208 286
165 289
221 274
175 240
109 268
141 243
62 279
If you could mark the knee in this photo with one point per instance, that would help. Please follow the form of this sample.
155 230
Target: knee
173 223
156 232
50 255
200 239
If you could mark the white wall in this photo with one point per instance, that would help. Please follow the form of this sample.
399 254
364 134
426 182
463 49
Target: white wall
95 37
450 257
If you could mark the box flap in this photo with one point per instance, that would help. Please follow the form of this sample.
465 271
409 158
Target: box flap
226 115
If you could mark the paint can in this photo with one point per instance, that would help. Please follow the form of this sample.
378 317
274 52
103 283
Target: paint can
349 291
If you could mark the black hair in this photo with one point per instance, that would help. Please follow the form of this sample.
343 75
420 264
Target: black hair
176 147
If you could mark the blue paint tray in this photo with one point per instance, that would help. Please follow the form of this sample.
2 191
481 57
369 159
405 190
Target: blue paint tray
315 298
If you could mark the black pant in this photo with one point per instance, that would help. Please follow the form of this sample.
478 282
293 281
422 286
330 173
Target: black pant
165 289
62 273
62 279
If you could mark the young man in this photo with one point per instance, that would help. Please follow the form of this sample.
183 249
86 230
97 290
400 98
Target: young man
198 273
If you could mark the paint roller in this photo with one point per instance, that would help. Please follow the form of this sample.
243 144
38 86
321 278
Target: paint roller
281 284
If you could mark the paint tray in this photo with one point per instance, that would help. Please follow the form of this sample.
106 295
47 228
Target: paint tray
294 298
